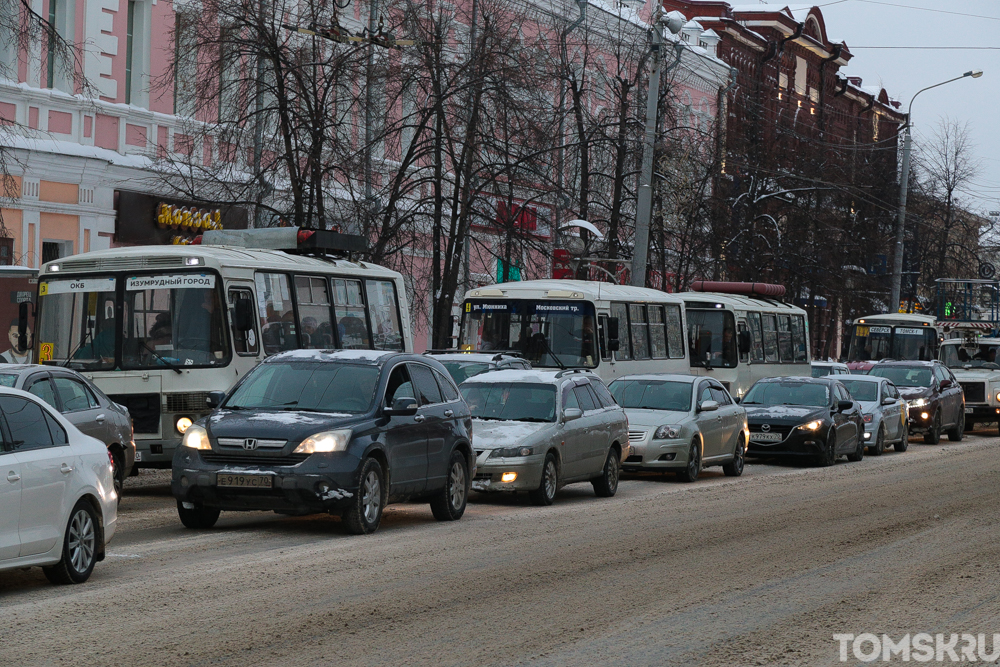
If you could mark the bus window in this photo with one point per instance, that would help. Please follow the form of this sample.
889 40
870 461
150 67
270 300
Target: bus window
870 343
913 343
352 325
657 332
277 319
712 338
384 314
756 337
675 332
313 301
800 346
619 310
245 342
770 337
638 327
785 338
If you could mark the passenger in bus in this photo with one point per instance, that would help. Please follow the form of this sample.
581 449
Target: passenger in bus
728 352
160 334
487 342
310 337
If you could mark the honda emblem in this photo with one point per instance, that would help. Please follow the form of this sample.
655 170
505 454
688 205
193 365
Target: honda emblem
250 443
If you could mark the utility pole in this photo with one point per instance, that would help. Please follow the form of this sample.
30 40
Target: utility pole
258 130
644 209
369 66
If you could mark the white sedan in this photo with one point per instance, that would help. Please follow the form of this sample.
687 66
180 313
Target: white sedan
58 506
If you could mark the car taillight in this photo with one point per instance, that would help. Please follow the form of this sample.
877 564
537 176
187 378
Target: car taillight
111 460
867 418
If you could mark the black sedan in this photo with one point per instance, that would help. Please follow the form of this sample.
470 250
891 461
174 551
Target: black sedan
344 432
804 417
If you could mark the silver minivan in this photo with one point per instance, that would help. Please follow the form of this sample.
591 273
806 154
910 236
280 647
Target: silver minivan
537 430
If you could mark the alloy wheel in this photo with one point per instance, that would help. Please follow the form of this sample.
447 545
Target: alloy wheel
611 472
372 498
457 485
550 479
82 538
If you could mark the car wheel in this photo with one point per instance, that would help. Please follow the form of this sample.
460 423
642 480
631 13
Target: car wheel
197 517
545 494
690 473
933 434
829 454
365 511
79 548
449 505
606 485
118 474
859 453
958 432
904 441
735 467
879 446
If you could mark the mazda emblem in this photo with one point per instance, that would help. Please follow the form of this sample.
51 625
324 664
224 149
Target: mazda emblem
250 443
763 427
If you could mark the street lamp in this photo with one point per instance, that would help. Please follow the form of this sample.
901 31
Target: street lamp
897 260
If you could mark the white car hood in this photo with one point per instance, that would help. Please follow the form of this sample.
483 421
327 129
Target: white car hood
640 417
490 434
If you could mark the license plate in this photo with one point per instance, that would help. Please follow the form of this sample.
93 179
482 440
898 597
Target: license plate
243 481
968 410
765 437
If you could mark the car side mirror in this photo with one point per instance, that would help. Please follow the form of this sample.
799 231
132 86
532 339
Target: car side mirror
243 314
737 399
844 406
569 414
708 406
215 399
946 383
888 400
405 406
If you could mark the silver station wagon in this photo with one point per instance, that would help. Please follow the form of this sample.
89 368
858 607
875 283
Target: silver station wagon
538 430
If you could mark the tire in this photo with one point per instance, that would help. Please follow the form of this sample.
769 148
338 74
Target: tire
735 467
198 517
956 433
449 505
690 473
606 485
80 547
879 446
118 474
545 494
365 511
859 453
829 454
904 442
933 434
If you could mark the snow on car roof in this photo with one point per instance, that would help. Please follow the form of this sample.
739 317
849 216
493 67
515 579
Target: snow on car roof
863 378
517 375
481 357
333 355
673 377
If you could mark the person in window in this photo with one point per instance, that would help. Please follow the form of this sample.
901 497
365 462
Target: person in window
16 355
728 352
488 343
963 355
587 340
309 336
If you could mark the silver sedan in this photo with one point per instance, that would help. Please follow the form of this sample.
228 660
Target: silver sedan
883 411
682 424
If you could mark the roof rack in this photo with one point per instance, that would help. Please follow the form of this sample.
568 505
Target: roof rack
569 371
499 354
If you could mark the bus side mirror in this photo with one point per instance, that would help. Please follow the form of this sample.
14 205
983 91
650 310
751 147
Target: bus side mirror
22 325
243 315
745 342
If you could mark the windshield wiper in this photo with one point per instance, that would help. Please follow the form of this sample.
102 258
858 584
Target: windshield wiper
83 341
294 409
553 354
531 419
176 369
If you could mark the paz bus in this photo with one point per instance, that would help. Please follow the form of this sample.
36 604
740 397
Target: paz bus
897 336
614 330
739 333
162 329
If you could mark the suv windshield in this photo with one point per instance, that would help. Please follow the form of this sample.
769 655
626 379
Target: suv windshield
979 355
652 394
309 386
788 393
461 371
862 390
511 401
905 376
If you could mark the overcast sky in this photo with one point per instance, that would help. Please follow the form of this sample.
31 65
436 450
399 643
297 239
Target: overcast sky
902 72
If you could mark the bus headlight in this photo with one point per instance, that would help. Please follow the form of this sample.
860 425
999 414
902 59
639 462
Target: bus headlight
183 424
196 438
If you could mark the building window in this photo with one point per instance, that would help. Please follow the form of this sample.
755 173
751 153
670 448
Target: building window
229 76
50 61
185 63
801 74
9 31
129 32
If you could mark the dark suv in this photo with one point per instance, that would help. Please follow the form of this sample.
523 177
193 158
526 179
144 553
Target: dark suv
344 432
932 394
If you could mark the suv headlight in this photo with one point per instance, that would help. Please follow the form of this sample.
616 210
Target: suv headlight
917 403
327 441
510 452
810 426
667 432
196 437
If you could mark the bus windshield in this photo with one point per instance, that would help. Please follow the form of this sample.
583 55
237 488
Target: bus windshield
904 343
168 320
712 338
549 334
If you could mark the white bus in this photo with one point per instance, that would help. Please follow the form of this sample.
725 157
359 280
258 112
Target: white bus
740 338
898 336
158 328
614 330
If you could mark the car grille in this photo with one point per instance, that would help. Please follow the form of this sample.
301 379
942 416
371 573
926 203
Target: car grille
483 477
635 458
196 401
636 436
232 458
783 429
144 409
975 392
237 443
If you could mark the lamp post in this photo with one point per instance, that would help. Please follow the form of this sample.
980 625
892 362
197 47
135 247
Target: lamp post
897 260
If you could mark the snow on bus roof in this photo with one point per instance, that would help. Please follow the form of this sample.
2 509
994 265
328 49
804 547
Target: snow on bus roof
592 289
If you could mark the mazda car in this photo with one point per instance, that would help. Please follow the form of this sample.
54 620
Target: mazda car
344 432
812 418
